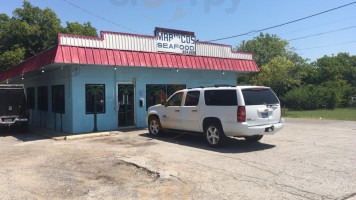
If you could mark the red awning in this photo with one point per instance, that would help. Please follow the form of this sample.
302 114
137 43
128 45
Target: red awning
85 55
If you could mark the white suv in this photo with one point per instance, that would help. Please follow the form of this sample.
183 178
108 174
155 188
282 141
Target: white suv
220 111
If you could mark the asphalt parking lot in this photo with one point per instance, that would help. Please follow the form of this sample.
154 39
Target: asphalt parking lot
308 159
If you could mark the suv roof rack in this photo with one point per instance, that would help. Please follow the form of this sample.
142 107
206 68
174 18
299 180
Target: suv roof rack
224 85
197 87
215 85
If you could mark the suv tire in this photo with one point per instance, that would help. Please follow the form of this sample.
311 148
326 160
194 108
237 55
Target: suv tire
154 126
214 135
254 138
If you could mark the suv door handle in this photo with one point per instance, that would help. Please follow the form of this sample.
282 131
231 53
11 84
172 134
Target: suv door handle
194 110
176 110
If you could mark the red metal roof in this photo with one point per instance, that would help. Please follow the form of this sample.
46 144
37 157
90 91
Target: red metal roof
85 55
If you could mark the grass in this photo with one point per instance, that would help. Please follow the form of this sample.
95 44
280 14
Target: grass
346 114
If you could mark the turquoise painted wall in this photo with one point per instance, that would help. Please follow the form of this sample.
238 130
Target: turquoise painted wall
75 77
110 77
53 75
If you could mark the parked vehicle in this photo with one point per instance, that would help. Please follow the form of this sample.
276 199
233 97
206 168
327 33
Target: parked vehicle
13 109
219 112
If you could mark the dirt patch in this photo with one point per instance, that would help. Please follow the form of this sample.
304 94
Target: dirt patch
67 173
85 175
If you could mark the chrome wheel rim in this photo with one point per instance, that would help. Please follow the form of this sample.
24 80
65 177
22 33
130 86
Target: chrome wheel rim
154 127
212 135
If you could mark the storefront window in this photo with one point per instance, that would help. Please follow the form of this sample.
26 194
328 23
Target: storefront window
157 93
95 98
31 97
58 101
43 98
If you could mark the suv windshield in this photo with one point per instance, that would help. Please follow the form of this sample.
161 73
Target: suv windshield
259 97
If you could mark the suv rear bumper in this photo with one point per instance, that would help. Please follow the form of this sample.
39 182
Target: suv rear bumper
14 122
242 129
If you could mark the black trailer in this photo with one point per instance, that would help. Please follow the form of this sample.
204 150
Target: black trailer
13 106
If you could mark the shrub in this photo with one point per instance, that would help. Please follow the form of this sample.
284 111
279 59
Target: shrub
327 95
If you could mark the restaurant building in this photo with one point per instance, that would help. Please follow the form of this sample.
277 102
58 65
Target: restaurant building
116 77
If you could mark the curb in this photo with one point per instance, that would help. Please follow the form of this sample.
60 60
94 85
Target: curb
75 137
83 136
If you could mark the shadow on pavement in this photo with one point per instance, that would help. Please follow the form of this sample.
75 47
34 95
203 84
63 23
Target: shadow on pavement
196 140
26 136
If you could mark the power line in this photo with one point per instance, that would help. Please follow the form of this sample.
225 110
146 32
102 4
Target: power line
316 26
322 33
286 23
349 42
100 17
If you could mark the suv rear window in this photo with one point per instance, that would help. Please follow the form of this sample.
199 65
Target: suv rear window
259 97
220 97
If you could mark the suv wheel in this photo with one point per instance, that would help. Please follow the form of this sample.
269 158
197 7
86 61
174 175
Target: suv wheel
214 135
254 138
154 126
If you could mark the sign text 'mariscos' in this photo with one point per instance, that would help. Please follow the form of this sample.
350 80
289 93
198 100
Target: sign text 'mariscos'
176 43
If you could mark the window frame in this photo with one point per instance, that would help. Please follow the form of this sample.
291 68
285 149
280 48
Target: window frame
165 96
232 104
104 98
55 99
251 101
186 97
31 101
173 95
39 98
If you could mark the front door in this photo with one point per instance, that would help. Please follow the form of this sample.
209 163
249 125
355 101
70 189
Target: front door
126 105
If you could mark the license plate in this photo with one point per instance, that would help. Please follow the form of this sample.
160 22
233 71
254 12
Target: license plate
7 120
265 115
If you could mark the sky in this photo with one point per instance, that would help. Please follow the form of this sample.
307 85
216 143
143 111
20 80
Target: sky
214 19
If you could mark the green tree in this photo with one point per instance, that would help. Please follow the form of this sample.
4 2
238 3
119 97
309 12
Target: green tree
337 68
11 58
80 29
43 27
32 30
265 47
280 74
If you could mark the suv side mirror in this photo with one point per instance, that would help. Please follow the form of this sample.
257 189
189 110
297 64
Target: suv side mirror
164 103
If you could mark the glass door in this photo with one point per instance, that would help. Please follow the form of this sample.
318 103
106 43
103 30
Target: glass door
126 104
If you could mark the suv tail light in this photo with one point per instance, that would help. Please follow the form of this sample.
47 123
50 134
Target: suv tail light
241 114
280 106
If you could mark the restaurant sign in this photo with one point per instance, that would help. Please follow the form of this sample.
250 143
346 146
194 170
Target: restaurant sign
175 41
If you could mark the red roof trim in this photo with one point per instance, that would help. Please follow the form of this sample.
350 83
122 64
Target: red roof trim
36 62
83 55
111 57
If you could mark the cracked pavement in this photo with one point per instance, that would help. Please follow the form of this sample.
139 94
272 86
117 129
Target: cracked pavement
307 159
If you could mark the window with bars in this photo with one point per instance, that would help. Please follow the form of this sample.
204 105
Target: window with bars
42 98
31 97
58 100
